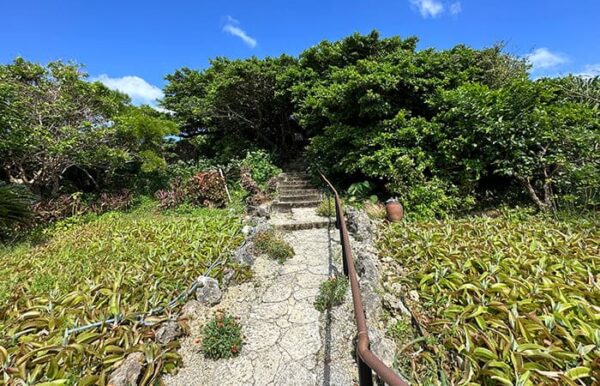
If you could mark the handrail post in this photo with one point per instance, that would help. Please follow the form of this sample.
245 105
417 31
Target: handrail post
365 374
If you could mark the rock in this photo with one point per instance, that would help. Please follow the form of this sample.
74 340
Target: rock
208 291
359 224
413 295
262 210
247 230
366 264
243 255
128 372
168 332
191 308
383 347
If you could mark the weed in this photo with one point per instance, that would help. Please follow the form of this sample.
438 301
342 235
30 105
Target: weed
331 293
272 245
222 337
326 207
375 211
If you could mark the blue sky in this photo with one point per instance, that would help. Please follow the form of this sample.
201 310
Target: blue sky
131 45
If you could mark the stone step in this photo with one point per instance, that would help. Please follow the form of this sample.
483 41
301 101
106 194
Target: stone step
295 184
299 226
286 206
301 197
299 192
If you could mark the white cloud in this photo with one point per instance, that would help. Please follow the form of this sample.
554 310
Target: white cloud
140 91
233 28
543 58
428 8
590 71
455 8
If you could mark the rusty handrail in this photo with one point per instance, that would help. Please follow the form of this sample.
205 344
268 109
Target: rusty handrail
366 359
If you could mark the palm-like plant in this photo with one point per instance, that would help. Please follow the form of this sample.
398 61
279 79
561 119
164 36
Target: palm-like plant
14 205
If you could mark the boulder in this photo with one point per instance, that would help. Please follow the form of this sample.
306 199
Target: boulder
128 372
208 291
168 332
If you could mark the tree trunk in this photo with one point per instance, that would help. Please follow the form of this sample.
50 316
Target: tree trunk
543 205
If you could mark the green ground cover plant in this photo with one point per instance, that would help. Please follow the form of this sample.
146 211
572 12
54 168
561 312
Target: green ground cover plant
326 207
271 244
506 300
117 264
222 337
331 293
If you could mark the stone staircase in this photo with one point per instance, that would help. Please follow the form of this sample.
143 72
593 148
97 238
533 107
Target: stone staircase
296 191
294 209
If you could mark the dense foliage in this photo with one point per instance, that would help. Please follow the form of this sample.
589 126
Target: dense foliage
442 130
55 127
507 300
116 265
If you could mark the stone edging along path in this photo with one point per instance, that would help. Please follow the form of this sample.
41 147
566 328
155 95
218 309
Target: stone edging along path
287 341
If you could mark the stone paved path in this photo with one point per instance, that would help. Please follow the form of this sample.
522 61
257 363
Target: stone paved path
287 341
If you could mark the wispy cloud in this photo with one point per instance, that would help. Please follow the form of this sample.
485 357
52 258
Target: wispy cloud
590 71
455 8
140 91
428 8
543 58
232 27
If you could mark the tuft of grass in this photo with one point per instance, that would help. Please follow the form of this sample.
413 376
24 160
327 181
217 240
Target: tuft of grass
375 211
331 293
222 337
326 207
272 245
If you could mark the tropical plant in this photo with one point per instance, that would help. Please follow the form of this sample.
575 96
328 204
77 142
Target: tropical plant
222 337
121 265
14 206
507 299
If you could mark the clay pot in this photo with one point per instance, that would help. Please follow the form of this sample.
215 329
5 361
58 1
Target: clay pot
394 209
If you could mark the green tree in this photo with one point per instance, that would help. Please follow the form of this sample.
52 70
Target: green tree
236 104
52 120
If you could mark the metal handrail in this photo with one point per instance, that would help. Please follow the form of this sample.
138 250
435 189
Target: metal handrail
367 360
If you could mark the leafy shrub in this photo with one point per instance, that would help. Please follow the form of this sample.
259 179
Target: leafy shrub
222 337
119 263
14 207
207 189
112 201
508 298
331 293
58 208
257 196
261 166
359 191
269 243
326 207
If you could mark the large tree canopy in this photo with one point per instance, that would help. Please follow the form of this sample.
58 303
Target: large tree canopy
443 129
53 120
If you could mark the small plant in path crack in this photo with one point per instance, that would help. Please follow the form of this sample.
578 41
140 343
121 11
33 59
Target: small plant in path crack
331 293
222 337
269 243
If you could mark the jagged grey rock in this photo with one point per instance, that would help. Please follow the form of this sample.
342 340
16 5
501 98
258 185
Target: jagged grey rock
128 372
244 254
168 332
208 291
359 224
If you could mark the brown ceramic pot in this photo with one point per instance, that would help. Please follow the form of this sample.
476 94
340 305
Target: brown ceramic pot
395 211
